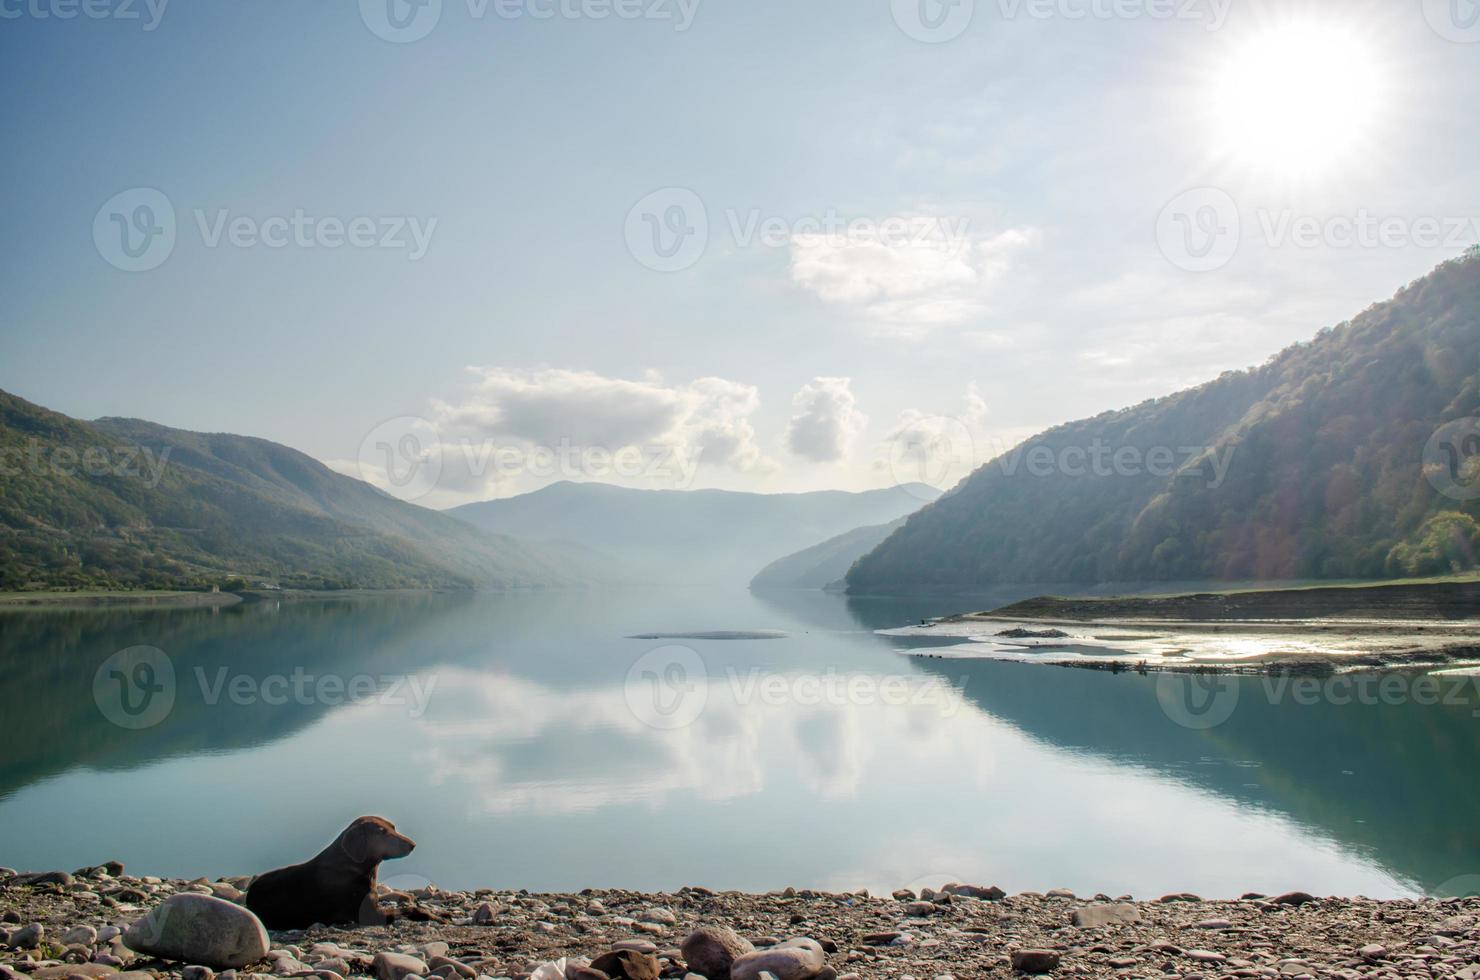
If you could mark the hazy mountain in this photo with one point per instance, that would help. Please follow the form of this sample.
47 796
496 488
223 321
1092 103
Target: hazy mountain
121 502
1311 466
824 564
698 537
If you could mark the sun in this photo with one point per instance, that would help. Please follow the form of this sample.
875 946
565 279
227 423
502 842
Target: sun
1297 98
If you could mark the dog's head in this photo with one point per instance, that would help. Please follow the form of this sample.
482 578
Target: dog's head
370 840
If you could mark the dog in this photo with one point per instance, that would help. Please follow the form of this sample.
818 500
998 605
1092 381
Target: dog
338 886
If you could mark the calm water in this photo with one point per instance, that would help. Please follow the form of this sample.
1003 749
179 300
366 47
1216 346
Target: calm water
539 748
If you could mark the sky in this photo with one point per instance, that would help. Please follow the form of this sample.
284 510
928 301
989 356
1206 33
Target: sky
464 248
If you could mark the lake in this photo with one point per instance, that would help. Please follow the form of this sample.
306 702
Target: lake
526 742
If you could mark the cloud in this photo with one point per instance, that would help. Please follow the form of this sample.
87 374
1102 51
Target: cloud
934 275
826 420
516 429
938 450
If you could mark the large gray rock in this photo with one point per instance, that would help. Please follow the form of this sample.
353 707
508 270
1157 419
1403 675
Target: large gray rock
795 959
709 951
202 930
394 966
1035 960
1098 916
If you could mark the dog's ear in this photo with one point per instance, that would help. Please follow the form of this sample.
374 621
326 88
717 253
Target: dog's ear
355 841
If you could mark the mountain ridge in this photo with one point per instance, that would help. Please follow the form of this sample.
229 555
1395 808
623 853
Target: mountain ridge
1327 477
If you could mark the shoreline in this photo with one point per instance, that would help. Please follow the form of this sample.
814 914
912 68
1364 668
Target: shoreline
1319 630
962 930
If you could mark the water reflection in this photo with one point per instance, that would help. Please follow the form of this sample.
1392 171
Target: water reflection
530 768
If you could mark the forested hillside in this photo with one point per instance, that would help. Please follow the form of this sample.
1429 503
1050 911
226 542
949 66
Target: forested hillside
1311 466
123 503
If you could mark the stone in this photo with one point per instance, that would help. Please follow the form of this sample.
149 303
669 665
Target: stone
795 959
1099 916
484 914
462 970
1179 897
627 964
395 966
920 908
1059 893
226 890
636 945
36 878
1205 956
85 935
1213 924
660 914
583 973
73 969
202 930
903 895
1035 960
1296 899
109 933
988 893
28 937
198 973
880 938
1372 951
709 951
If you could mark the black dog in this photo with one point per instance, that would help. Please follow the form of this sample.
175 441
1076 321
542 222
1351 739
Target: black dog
338 886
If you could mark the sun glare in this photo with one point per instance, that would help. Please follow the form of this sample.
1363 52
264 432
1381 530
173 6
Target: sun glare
1296 98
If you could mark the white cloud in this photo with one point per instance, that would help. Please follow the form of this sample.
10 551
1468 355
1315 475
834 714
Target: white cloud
939 449
826 420
936 275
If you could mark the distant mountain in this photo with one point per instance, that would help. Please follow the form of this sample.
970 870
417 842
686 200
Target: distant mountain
1313 466
825 564
697 537
126 503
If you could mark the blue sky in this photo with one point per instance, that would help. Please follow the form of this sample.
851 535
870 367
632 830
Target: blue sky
1018 185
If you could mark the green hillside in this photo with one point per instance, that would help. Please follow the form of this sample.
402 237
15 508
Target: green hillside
1309 467
128 504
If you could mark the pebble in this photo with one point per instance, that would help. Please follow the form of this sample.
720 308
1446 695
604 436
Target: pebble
1035 960
710 950
199 929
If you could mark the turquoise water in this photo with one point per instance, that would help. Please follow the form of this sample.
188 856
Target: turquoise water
525 741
